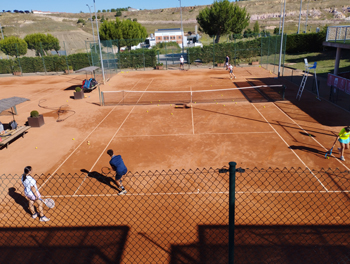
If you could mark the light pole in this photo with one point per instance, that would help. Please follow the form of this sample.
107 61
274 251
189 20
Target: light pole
92 24
99 44
301 2
280 58
182 30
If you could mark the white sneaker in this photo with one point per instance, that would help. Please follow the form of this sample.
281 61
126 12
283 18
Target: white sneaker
342 158
44 219
34 215
122 192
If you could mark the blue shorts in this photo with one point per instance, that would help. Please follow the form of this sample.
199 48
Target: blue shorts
345 141
118 177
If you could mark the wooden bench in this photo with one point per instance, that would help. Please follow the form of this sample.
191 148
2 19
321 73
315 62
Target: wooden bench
12 134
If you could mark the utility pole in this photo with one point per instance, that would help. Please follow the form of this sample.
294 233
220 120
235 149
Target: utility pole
182 30
280 58
301 2
92 25
99 45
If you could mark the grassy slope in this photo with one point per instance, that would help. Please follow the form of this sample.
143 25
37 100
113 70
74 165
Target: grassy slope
64 26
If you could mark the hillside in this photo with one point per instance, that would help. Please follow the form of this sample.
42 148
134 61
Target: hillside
72 36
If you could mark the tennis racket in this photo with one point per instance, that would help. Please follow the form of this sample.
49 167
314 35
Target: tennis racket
48 202
106 170
329 152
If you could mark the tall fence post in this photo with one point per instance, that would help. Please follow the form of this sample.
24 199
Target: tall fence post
42 56
213 52
232 198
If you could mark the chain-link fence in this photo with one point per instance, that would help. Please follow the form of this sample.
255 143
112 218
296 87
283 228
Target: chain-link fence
182 216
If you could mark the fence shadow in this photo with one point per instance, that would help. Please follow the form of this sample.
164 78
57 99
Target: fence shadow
63 245
267 244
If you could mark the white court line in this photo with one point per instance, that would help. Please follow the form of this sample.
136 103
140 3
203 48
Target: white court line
312 137
104 150
290 148
197 192
198 134
192 114
80 144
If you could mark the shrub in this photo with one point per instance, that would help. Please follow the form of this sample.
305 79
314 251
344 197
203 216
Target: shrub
34 113
135 19
78 89
159 64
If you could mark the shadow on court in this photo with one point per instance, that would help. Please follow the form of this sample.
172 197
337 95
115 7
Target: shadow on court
267 244
64 245
19 199
101 178
308 149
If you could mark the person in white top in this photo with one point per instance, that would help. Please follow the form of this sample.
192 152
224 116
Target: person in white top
33 195
182 60
230 67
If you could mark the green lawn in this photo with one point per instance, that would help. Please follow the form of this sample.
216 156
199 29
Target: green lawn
325 61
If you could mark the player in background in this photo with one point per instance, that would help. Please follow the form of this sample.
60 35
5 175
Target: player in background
182 61
230 68
120 169
227 62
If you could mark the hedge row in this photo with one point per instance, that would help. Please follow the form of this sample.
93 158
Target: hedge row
137 59
219 51
51 63
245 50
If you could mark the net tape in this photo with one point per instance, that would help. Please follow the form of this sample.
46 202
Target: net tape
260 93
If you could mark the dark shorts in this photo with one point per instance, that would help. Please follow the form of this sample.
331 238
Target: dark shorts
181 63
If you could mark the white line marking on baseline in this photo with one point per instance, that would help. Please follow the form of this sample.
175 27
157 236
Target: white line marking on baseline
290 148
198 134
308 133
80 144
111 140
196 192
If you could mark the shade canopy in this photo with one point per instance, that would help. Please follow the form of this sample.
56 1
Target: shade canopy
8 103
88 69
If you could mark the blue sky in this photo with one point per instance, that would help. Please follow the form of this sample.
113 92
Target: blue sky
75 6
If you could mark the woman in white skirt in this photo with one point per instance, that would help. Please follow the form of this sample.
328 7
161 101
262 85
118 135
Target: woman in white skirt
32 193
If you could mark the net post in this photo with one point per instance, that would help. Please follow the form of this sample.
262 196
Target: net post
123 96
232 198
102 98
99 94
283 91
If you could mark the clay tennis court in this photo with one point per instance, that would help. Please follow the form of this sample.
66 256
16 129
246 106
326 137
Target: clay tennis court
160 137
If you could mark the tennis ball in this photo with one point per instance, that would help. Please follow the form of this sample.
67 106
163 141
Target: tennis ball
158 105
67 100
36 147
264 106
327 157
171 113
73 139
147 111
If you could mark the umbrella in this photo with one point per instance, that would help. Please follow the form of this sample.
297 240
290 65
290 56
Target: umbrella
11 102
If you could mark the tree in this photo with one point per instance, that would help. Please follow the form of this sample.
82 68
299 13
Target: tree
42 43
93 18
276 31
247 33
223 18
118 14
80 21
102 19
103 10
256 28
98 11
124 33
13 46
112 9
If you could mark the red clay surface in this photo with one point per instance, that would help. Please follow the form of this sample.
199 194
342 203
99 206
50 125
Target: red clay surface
151 137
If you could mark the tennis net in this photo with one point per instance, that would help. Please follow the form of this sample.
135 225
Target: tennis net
262 93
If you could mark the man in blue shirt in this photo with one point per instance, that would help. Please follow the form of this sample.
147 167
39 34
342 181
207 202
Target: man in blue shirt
119 167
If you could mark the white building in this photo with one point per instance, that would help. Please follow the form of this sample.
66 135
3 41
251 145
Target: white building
170 35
